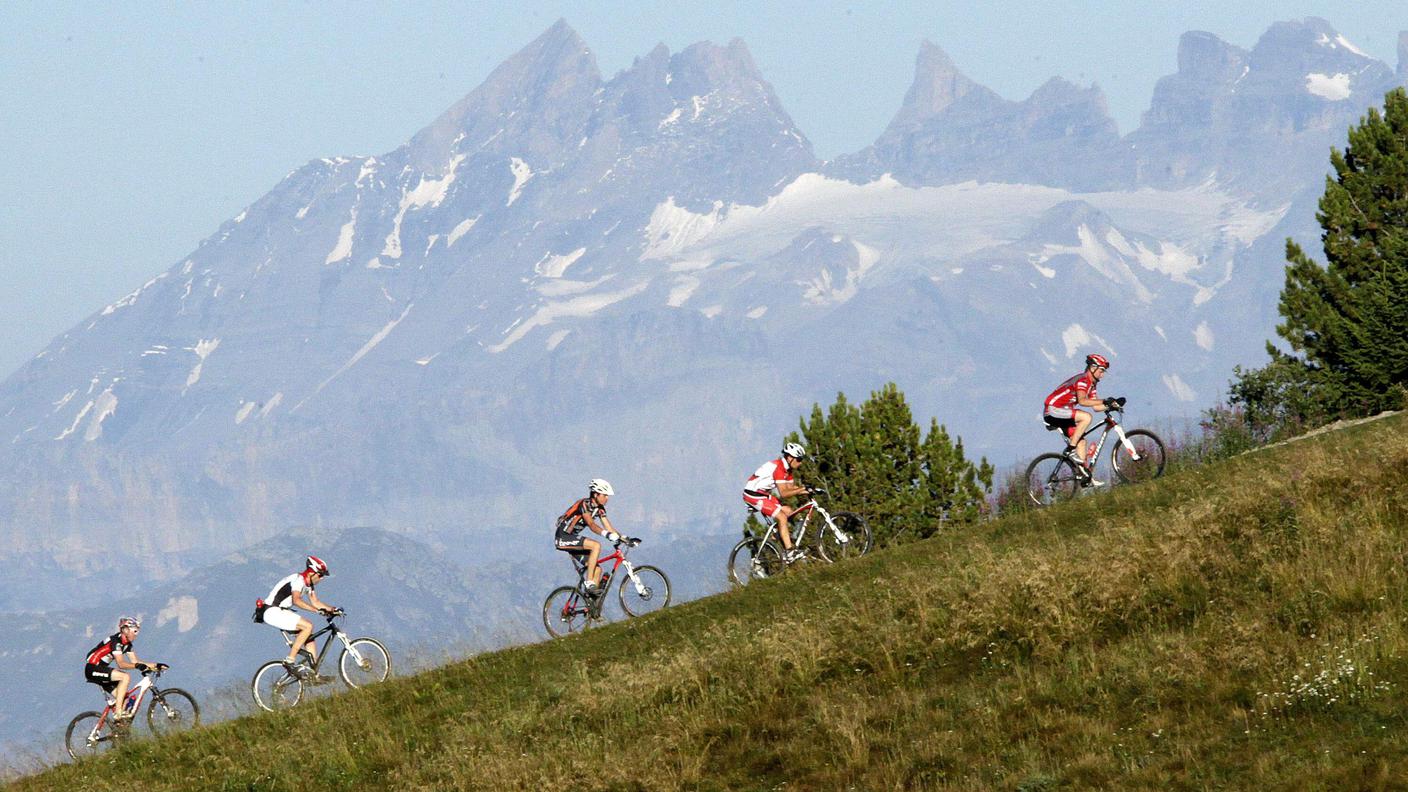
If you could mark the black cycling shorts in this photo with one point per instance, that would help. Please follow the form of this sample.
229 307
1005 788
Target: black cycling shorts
100 675
1066 425
571 542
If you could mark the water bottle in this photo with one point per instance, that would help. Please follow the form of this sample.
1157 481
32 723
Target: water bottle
605 579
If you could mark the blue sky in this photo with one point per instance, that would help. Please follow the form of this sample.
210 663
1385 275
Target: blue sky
129 134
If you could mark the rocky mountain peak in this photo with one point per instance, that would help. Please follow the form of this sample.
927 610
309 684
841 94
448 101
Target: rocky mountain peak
937 84
1205 57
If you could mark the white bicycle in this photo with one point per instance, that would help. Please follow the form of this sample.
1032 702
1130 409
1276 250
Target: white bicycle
364 661
837 536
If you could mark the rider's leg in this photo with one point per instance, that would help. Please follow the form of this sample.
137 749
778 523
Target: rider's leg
305 629
593 549
781 516
1082 419
120 692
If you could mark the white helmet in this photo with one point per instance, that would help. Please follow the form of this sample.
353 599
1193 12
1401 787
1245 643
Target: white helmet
602 486
794 450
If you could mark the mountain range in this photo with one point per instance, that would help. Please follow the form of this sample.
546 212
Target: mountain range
650 278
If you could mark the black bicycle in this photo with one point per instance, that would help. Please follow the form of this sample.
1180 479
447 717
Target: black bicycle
364 661
1138 456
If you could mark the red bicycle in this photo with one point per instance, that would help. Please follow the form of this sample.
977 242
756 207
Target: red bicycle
570 609
171 710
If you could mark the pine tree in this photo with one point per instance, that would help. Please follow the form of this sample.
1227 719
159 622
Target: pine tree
875 460
1349 320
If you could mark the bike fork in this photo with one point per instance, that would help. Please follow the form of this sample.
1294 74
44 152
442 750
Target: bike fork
1128 446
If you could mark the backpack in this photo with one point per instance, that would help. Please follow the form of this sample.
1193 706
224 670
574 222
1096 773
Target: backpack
259 607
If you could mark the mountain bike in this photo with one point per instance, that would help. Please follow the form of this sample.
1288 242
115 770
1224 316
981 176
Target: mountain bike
570 609
837 536
1138 456
171 710
364 661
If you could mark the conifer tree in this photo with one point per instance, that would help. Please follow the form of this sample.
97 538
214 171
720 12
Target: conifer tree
875 460
1348 321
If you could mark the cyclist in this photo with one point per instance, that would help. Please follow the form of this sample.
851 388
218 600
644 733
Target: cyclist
1060 412
296 590
116 648
768 485
587 513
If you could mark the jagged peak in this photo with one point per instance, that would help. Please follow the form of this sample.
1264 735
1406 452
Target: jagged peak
937 84
1204 55
1304 33
1060 90
717 66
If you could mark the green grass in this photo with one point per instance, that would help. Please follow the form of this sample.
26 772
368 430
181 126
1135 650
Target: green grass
1235 626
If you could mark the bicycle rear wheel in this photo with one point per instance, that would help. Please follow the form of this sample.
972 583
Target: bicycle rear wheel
753 560
84 738
1051 478
566 611
274 688
374 667
653 594
172 710
1151 461
857 535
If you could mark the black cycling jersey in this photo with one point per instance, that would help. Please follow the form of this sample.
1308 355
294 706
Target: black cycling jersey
103 652
574 519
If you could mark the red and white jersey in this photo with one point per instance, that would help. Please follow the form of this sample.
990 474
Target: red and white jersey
767 477
1068 393
114 644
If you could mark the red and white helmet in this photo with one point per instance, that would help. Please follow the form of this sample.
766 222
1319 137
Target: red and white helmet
316 564
129 621
1094 359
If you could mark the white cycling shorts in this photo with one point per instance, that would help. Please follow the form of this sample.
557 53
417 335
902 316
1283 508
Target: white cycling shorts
1060 412
282 618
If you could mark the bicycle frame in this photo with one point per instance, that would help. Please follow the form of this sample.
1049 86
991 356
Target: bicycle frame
799 533
135 696
1105 427
617 559
335 632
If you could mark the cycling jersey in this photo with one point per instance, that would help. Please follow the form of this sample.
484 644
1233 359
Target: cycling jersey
1068 394
282 595
767 477
114 644
574 519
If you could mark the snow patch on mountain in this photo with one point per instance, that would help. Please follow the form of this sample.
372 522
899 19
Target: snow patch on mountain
343 248
673 228
183 610
76 419
679 293
1077 339
521 174
104 406
1178 388
203 348
1202 336
1331 87
553 266
461 229
429 192
584 305
246 407
361 353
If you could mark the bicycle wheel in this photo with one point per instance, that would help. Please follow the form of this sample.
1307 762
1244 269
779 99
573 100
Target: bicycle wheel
565 612
84 738
1051 478
1151 461
172 710
274 688
854 540
374 667
652 594
751 560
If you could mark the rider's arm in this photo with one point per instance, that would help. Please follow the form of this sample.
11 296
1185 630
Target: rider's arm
126 660
318 605
607 531
786 489
1095 404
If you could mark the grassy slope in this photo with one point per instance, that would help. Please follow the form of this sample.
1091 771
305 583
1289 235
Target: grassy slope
1147 638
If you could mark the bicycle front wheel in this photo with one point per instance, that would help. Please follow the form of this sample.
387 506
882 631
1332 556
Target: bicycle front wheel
84 738
373 666
647 593
1151 458
1051 478
850 539
274 688
753 560
565 612
172 710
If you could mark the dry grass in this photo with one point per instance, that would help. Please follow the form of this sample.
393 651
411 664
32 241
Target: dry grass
1234 626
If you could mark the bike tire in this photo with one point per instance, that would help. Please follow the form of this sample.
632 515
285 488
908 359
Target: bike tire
76 736
655 597
741 567
566 611
172 710
857 531
274 688
1151 462
1051 478
377 662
